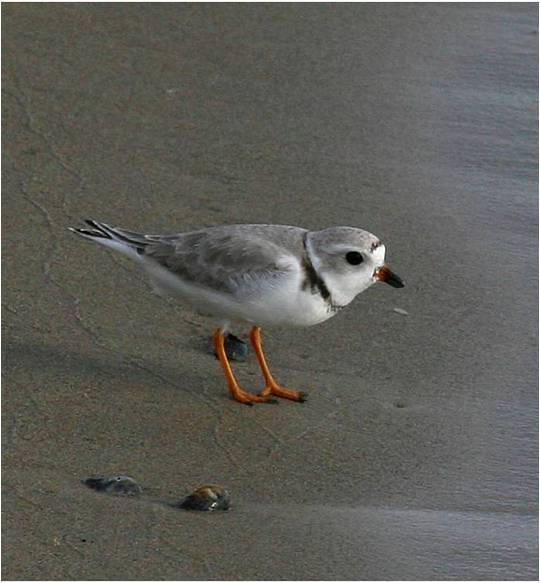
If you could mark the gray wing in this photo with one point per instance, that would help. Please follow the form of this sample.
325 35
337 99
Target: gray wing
230 261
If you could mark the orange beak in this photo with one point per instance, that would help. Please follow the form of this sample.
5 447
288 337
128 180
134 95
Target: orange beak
389 277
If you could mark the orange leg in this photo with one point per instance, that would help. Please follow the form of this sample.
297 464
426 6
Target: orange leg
237 393
271 388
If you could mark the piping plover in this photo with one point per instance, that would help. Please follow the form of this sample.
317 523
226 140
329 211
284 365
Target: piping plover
256 274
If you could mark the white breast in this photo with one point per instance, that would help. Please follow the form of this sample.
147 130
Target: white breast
280 302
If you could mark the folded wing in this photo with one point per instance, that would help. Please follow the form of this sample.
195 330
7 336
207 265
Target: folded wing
227 262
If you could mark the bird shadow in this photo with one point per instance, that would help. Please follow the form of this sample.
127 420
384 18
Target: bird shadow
19 356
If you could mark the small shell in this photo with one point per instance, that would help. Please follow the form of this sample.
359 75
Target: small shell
208 497
235 348
401 311
122 485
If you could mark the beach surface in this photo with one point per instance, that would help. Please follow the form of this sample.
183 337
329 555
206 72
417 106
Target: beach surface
416 455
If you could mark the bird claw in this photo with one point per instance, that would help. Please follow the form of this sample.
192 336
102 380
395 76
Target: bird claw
271 400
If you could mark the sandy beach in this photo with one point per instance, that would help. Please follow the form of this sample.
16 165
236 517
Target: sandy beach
416 455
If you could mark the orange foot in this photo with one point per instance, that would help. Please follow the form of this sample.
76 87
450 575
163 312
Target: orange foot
284 393
236 391
271 388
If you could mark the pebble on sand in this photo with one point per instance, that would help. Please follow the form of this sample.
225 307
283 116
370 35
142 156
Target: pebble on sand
235 348
401 311
121 485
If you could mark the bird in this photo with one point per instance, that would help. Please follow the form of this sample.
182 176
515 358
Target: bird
255 274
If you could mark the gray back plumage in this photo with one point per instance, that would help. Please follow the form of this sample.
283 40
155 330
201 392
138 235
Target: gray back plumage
228 258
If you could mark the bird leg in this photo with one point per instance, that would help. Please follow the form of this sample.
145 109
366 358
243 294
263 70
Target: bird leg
237 393
271 388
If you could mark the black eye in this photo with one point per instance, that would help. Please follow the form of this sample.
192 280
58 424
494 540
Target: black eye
354 258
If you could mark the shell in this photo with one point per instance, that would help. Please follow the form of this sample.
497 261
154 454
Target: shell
235 348
208 497
120 485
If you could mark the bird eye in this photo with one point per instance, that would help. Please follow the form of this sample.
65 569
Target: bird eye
354 258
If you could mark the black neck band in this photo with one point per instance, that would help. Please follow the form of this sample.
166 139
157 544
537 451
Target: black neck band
313 279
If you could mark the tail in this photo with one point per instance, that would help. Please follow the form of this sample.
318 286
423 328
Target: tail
126 242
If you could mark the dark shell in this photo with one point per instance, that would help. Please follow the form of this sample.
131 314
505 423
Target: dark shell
208 497
235 349
122 485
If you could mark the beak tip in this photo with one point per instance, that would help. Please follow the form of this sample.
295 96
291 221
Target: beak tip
389 277
395 281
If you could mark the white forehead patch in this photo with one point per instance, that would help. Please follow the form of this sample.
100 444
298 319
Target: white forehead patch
378 254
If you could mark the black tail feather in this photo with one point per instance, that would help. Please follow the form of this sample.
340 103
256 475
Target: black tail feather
90 233
118 234
104 231
99 228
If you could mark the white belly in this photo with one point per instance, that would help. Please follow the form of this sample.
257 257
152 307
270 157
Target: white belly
281 303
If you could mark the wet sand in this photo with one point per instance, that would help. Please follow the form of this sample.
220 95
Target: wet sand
416 456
